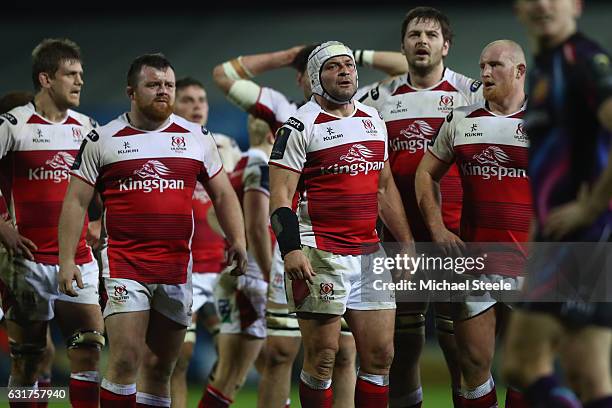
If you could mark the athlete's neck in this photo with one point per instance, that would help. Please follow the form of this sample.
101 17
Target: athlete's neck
47 108
424 80
343 110
511 104
140 121
544 43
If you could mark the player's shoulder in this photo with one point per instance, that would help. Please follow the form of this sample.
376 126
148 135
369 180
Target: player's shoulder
241 164
304 117
113 128
580 46
580 50
83 119
469 111
191 127
462 82
367 110
385 88
17 116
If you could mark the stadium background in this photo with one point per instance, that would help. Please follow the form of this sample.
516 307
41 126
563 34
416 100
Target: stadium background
197 39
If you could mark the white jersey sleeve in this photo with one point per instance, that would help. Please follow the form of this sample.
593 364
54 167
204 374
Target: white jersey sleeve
378 92
89 159
443 144
8 122
470 88
256 175
289 149
211 157
363 91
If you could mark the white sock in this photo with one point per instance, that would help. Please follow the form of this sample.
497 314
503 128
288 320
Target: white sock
314 383
89 376
479 391
154 400
119 389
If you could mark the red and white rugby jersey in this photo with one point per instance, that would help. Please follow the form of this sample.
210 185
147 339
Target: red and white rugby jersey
491 154
273 107
147 180
36 160
413 117
340 160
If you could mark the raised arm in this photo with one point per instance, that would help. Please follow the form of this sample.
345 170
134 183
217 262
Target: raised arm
390 62
248 66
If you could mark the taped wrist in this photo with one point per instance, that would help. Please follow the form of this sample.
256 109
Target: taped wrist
364 57
287 230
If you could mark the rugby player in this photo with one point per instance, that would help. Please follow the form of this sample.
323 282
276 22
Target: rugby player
413 107
145 164
38 144
335 149
569 123
235 79
488 145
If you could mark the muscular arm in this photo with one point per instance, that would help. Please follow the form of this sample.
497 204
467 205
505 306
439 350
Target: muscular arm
256 215
254 65
94 227
390 62
283 184
77 199
427 186
390 207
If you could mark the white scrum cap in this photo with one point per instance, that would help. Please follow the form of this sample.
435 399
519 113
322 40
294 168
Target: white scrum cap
317 59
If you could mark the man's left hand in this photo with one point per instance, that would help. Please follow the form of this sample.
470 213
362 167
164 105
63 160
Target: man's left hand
570 217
